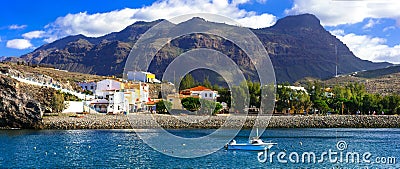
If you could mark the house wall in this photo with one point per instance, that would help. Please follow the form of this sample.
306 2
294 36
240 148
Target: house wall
73 107
209 95
206 94
175 100
103 94
90 86
130 100
108 85
137 76
141 76
150 77
117 102
144 92
130 96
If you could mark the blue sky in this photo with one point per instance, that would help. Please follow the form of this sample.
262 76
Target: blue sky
371 29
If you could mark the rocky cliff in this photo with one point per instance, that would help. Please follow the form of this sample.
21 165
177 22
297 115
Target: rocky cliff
23 105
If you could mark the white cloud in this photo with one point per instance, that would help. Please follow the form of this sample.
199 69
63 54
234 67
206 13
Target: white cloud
258 21
33 34
51 38
338 32
262 1
240 1
19 44
12 27
388 28
99 24
333 13
371 23
92 24
369 48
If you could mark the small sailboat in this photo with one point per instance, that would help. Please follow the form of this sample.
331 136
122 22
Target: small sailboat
254 144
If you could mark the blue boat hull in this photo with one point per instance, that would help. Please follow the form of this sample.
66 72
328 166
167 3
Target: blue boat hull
248 147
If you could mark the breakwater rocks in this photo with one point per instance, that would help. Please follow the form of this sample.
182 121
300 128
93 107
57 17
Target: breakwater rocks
176 122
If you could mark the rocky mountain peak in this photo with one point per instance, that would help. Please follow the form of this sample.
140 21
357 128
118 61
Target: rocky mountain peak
298 21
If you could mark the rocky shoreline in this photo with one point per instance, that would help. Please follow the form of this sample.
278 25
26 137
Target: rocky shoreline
170 122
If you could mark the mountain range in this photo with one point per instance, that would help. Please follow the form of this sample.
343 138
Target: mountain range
298 47
2 58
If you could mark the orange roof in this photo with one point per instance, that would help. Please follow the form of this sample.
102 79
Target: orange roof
199 88
150 103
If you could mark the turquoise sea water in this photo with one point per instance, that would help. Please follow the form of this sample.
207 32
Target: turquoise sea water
124 149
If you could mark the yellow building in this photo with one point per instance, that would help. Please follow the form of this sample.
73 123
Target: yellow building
142 77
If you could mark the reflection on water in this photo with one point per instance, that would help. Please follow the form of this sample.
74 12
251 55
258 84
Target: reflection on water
124 149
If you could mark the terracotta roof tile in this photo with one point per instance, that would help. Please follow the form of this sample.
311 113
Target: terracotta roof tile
199 88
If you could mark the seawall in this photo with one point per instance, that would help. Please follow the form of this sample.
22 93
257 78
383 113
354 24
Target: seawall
170 122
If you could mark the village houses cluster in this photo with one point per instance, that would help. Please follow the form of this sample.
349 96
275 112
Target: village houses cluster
133 95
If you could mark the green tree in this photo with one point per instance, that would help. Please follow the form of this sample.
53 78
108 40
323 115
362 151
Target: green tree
322 106
316 91
283 96
207 83
241 97
209 107
391 104
371 103
255 93
187 82
224 96
57 102
301 101
358 92
218 107
191 104
162 106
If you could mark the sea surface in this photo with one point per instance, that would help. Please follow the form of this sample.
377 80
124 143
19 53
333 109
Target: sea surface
377 148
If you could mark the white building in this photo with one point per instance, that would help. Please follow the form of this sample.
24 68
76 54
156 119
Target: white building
112 96
142 77
144 92
108 84
116 102
297 88
201 92
141 93
90 86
